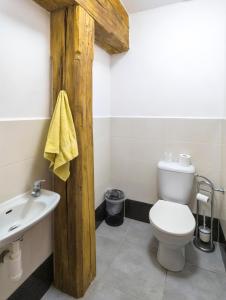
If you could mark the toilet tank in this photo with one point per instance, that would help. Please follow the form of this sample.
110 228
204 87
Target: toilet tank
175 181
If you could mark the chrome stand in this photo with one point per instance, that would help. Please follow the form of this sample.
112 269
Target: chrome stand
206 186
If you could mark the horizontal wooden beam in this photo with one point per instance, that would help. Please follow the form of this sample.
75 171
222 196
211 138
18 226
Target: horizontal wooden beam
52 5
112 24
111 21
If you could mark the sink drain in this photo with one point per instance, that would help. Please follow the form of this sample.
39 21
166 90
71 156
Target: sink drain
13 227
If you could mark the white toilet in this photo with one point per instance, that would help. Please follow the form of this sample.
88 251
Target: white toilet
171 219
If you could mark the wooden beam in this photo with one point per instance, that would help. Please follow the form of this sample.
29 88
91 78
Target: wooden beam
112 24
111 21
52 5
72 43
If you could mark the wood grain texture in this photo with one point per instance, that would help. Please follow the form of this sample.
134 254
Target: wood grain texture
111 21
112 24
72 43
52 5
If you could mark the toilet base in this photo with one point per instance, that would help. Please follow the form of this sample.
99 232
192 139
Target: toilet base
171 258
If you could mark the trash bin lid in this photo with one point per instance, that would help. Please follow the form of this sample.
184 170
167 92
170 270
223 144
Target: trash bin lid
114 195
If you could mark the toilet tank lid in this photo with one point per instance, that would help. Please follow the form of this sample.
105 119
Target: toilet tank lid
175 167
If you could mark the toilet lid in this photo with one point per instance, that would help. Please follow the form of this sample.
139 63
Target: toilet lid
172 218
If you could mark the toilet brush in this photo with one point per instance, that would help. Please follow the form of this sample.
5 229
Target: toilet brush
204 231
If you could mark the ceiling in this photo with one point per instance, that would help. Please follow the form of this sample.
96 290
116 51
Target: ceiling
133 6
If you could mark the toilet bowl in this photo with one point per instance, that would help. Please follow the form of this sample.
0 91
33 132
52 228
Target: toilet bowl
173 225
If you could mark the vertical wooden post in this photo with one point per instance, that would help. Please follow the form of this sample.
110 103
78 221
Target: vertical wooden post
72 44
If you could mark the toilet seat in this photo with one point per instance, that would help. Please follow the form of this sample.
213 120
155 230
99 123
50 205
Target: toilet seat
172 218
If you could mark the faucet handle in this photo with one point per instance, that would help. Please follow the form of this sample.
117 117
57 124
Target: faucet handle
36 191
38 183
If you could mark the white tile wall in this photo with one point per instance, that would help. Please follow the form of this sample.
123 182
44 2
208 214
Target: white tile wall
102 157
222 205
21 153
139 143
126 153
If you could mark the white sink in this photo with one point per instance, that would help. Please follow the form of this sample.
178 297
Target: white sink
22 212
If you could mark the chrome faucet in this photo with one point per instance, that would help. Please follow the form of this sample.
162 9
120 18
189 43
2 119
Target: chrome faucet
36 191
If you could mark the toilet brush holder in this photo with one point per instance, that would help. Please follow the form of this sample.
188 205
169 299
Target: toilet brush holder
204 234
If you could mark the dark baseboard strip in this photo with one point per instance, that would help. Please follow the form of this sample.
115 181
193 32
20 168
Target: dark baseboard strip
140 211
221 235
100 213
37 284
223 253
137 210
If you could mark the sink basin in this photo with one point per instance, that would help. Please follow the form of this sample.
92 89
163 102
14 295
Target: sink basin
19 214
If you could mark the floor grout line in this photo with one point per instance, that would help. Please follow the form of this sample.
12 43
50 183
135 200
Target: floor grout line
164 288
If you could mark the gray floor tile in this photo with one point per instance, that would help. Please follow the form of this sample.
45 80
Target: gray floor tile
142 284
106 251
108 292
140 233
134 255
209 261
116 233
194 283
135 271
54 294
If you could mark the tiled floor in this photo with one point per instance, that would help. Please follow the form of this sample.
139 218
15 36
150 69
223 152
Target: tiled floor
127 269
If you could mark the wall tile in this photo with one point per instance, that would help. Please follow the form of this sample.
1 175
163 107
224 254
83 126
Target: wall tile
139 128
222 204
21 140
139 143
102 157
194 130
18 178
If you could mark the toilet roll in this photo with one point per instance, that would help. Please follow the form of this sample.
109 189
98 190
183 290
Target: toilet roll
14 261
202 198
185 160
15 267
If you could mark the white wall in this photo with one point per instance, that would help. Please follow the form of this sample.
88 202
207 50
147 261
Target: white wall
175 66
101 83
24 59
134 6
101 123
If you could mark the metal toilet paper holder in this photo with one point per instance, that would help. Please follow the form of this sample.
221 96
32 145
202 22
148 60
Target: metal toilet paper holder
203 184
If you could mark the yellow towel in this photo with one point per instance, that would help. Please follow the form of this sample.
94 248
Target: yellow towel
61 145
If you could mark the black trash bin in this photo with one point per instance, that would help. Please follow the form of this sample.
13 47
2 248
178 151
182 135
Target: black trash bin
115 200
